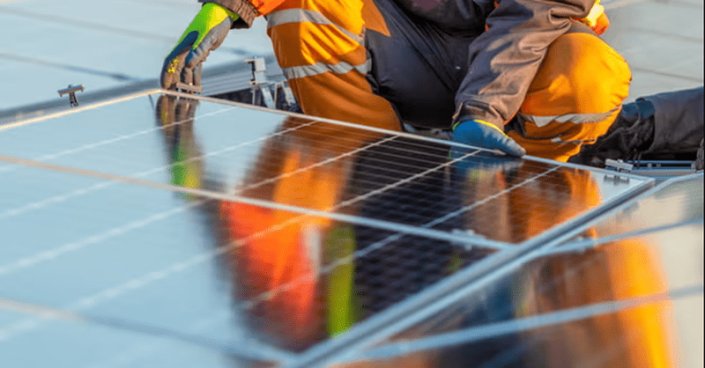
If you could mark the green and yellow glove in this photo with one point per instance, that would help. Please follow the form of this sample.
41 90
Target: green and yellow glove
206 32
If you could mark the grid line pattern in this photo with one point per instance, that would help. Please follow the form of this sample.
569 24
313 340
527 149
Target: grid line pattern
410 214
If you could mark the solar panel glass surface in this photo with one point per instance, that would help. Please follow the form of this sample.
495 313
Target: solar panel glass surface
63 341
276 158
638 288
255 233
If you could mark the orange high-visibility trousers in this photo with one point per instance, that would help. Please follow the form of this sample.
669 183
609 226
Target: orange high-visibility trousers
574 98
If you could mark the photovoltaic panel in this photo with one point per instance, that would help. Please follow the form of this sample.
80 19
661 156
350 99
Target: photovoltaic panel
193 267
278 158
80 42
255 233
63 341
677 202
640 284
556 340
35 195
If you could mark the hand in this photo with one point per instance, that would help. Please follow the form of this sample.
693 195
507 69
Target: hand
482 134
206 32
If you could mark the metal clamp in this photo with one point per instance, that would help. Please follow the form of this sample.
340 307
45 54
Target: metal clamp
258 67
618 166
261 87
71 91
288 94
188 88
267 93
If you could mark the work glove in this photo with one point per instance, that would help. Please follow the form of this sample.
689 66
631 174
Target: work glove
206 32
482 134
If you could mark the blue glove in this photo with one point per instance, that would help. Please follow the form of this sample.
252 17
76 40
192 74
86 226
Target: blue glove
205 33
482 134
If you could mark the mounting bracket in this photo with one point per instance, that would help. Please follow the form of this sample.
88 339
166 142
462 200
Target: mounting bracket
71 91
188 88
265 92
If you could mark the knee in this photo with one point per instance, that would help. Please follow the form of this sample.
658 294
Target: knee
580 74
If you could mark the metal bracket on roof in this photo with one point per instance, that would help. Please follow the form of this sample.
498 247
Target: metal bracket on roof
270 94
288 95
188 88
258 67
71 91
618 166
262 94
261 87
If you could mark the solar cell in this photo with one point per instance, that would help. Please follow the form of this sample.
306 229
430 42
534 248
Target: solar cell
262 234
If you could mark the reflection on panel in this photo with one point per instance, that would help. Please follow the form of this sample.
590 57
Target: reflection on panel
214 270
633 337
319 166
675 203
570 293
76 343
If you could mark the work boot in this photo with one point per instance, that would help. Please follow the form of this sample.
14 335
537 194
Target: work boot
667 123
632 132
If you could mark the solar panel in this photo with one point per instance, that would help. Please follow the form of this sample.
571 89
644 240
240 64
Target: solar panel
80 42
75 341
256 233
633 290
248 153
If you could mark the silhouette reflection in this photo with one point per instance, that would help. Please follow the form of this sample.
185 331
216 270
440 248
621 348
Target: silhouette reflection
305 278
299 278
620 270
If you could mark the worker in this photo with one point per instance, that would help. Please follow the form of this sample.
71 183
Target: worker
469 66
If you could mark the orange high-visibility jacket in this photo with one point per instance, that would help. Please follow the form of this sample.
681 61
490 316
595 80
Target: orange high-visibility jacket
510 39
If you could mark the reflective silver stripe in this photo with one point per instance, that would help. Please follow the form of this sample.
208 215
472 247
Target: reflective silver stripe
558 140
304 15
541 121
320 68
